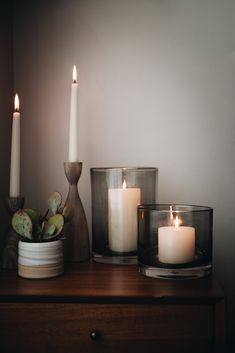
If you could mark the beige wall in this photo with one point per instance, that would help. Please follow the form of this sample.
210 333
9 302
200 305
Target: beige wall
157 83
6 100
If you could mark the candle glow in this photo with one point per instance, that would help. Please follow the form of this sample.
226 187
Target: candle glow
16 103
177 222
171 213
74 74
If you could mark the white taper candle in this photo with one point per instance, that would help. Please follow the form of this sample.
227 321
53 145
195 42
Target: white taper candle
73 127
15 152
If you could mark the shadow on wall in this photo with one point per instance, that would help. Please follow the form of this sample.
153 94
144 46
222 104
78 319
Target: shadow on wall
6 108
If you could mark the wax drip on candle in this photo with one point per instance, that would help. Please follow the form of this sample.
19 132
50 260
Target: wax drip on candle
17 103
74 74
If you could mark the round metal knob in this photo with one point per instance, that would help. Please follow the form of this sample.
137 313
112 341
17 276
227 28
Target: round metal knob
94 335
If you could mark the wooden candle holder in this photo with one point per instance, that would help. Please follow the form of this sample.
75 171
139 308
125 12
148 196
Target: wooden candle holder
76 231
10 252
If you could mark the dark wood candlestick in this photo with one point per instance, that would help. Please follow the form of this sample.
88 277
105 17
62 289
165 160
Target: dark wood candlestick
76 231
10 252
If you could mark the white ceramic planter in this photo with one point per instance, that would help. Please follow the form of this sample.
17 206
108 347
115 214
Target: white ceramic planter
40 260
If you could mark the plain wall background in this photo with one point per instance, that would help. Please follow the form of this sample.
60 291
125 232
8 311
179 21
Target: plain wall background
6 108
157 88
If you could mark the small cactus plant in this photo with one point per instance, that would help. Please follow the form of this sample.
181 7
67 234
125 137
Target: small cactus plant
32 226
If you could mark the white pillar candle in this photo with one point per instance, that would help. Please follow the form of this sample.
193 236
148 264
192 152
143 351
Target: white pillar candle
122 218
176 245
73 126
15 152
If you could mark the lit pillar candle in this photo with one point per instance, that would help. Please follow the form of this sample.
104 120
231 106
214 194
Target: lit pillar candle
15 152
176 245
122 218
73 126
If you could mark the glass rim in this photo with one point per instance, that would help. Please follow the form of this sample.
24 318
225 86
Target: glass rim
124 168
156 207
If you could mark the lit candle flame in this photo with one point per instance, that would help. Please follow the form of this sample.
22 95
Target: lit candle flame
124 184
17 103
177 222
171 213
74 74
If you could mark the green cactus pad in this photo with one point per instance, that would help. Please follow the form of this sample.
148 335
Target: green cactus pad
68 213
57 221
54 202
22 224
49 231
34 215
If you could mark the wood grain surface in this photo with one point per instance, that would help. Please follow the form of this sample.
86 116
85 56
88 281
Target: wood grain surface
100 308
94 282
121 327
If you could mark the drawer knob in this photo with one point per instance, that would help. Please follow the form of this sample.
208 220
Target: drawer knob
95 335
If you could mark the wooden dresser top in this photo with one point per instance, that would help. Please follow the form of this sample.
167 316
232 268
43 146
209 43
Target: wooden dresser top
100 283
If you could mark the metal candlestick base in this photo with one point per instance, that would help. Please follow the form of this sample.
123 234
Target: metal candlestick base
10 252
76 231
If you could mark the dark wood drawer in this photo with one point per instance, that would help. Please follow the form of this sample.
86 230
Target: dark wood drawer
49 328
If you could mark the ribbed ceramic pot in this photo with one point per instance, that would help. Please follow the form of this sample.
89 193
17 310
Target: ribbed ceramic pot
40 260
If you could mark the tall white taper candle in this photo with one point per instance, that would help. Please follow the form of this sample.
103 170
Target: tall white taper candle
15 152
73 127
